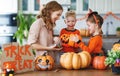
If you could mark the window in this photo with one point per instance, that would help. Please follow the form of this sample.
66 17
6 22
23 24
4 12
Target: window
85 5
36 5
73 5
79 6
29 6
24 5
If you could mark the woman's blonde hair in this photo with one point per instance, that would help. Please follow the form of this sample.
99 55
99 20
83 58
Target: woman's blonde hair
70 13
45 13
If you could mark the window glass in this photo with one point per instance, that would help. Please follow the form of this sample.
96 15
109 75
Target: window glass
85 5
36 4
73 5
24 5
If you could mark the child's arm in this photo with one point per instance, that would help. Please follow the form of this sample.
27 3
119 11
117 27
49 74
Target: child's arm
92 46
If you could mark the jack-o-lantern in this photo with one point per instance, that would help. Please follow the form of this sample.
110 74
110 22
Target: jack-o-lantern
64 38
72 39
44 62
68 39
71 42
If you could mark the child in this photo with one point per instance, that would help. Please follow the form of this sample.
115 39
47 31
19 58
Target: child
94 22
41 31
70 21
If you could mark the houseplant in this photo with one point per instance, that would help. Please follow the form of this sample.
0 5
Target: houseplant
113 60
24 22
118 31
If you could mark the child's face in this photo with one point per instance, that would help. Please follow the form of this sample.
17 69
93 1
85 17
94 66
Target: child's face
70 21
56 15
91 27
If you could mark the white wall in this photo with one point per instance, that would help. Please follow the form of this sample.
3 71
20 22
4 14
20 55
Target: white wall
8 6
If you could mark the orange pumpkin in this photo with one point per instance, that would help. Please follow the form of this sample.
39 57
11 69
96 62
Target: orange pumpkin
98 62
85 59
116 46
71 43
84 32
44 62
72 60
65 39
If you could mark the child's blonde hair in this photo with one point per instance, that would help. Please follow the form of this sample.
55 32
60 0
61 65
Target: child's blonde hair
70 13
45 13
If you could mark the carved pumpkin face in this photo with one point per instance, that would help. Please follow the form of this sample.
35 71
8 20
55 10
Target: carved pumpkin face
64 38
44 62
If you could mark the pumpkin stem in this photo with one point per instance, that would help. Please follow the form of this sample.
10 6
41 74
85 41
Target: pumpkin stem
45 53
118 41
101 54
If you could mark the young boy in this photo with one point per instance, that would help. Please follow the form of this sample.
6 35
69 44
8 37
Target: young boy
66 33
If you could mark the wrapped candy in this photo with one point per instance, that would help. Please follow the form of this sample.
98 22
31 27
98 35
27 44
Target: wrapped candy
117 63
117 60
9 72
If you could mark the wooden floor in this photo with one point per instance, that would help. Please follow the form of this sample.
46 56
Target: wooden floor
63 72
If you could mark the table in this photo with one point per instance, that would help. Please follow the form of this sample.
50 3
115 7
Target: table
63 72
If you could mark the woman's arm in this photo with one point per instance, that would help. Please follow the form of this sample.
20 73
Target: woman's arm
41 48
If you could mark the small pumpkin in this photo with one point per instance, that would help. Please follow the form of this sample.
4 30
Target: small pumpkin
116 46
98 62
84 32
72 60
72 42
66 41
44 62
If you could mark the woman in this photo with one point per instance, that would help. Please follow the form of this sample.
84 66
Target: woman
41 31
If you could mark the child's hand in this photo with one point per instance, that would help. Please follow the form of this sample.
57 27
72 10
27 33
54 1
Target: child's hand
56 40
74 38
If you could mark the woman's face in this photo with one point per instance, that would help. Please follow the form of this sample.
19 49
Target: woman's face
91 27
56 15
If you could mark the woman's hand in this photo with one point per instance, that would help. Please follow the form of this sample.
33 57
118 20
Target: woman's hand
57 49
54 48
46 48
